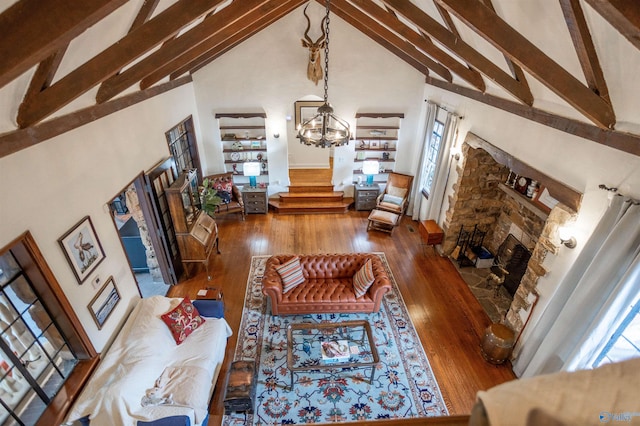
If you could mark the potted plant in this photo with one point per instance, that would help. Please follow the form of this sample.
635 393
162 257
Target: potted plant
209 197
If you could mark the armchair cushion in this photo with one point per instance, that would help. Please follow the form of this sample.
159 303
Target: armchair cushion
396 192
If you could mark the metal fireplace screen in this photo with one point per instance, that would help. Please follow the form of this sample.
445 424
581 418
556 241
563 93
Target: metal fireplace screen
513 257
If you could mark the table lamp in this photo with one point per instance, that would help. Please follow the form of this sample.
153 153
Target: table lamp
370 168
251 169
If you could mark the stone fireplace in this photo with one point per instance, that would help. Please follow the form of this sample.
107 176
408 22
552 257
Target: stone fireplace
514 225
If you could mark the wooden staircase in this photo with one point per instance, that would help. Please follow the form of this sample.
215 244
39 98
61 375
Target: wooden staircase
310 191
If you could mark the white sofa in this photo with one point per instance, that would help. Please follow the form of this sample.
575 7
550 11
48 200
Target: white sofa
144 352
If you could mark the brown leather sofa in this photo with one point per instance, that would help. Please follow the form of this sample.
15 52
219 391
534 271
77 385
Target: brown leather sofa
328 285
236 205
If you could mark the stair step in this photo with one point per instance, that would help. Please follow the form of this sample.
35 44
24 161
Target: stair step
304 207
311 197
310 187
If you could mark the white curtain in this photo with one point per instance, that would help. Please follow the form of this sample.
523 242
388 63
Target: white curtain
433 205
432 113
591 301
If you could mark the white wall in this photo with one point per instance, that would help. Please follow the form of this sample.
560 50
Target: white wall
48 188
268 73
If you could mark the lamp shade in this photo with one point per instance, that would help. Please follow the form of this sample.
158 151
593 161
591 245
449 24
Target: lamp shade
370 167
251 168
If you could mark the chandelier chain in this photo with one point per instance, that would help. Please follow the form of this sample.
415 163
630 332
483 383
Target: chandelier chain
326 53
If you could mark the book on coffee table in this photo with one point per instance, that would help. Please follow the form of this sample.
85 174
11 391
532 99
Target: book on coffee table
335 351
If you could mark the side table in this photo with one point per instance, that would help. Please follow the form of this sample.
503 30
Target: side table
255 199
430 233
366 196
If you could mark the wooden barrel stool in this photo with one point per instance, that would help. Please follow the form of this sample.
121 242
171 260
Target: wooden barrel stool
497 343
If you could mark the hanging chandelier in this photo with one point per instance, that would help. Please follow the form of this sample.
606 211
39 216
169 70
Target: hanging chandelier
325 129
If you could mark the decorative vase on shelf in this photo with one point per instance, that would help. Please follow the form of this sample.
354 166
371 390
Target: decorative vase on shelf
531 189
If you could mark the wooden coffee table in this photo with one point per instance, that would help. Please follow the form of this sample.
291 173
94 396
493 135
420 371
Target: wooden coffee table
304 347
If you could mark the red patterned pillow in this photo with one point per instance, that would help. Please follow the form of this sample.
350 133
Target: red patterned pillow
291 274
182 320
363 279
224 186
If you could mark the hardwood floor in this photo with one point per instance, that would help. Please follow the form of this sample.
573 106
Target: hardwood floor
447 317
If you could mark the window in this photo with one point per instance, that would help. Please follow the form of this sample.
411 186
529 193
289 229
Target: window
431 158
42 345
625 342
182 145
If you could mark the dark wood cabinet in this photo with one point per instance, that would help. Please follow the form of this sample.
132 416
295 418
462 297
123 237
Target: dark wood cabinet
196 231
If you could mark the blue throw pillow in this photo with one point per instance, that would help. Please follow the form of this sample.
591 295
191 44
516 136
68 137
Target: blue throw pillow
209 308
388 198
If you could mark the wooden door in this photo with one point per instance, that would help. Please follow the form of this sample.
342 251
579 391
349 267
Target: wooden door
161 227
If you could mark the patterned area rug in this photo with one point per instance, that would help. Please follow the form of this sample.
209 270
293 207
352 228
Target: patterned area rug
403 387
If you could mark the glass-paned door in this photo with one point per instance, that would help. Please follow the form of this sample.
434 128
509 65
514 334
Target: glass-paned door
35 359
156 181
183 147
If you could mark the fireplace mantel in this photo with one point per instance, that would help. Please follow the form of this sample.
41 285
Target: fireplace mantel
558 190
524 201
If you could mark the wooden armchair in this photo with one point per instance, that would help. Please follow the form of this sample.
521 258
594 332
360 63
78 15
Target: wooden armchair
224 182
395 197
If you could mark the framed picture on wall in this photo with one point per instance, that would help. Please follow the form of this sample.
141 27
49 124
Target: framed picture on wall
82 249
305 110
102 305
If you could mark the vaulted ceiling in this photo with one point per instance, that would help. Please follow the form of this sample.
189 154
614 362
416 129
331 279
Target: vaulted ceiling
162 47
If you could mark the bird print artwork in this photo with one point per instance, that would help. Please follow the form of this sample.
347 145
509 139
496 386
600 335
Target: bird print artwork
85 251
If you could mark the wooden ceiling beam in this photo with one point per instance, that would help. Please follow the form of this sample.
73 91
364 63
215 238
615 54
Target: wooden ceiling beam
215 49
495 30
33 30
420 67
625 142
583 43
223 41
112 59
516 71
389 19
226 19
392 42
20 139
457 46
623 15
144 14
45 73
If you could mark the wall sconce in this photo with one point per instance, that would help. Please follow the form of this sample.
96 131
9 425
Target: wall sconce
564 232
456 151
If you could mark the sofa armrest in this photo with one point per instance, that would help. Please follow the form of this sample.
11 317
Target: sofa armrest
237 195
272 283
382 283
